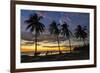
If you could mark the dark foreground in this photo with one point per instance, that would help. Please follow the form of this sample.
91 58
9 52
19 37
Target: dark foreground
79 53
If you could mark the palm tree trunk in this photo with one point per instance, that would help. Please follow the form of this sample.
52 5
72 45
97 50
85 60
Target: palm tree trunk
69 44
58 44
84 42
35 43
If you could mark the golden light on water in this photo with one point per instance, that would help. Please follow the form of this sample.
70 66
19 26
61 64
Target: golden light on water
26 48
44 46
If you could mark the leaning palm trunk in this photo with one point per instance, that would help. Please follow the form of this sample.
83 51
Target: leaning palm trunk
69 44
35 44
84 42
58 44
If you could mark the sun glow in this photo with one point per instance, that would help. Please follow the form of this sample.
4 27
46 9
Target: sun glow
41 48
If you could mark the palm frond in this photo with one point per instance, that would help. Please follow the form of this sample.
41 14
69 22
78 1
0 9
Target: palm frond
33 23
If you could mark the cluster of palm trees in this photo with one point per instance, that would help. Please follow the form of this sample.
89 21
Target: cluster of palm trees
34 25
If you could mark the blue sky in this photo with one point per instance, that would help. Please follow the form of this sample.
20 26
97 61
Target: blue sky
72 18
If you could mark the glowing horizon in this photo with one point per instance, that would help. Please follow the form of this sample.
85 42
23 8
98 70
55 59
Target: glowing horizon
41 49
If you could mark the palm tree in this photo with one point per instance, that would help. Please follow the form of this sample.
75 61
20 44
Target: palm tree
35 26
66 32
55 31
80 32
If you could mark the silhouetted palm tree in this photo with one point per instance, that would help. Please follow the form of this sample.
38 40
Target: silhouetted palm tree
66 32
35 26
80 32
53 28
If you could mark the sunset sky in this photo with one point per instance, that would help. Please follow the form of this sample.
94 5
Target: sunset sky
73 19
